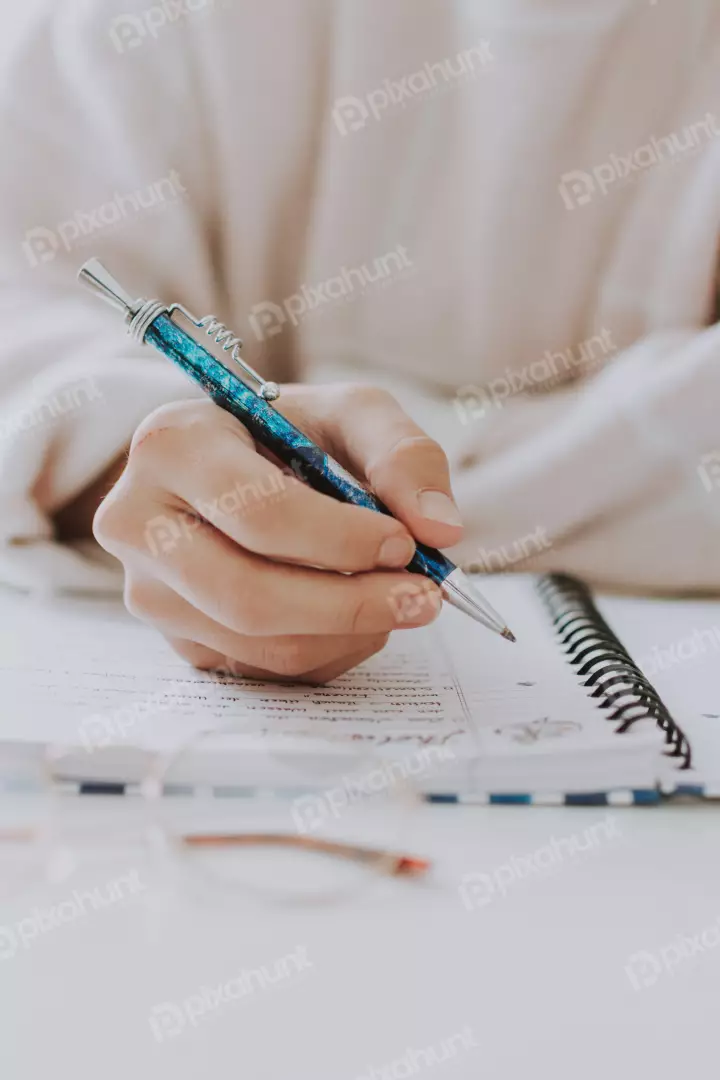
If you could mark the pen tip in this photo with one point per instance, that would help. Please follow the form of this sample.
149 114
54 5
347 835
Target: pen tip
507 633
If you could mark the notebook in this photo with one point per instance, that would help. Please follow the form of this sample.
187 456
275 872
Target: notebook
603 700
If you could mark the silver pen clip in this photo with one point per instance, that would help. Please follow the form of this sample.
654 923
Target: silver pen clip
141 314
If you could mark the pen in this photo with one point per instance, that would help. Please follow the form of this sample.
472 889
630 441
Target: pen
247 396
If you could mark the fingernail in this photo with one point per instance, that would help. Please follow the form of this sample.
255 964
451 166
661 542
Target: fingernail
415 603
397 551
437 506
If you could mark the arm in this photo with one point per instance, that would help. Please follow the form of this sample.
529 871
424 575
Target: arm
612 481
238 565
100 163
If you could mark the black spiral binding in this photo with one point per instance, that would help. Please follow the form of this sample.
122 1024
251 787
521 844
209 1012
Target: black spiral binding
604 663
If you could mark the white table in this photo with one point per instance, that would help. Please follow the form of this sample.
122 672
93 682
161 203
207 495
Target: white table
537 975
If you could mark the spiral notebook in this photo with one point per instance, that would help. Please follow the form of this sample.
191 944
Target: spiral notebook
603 700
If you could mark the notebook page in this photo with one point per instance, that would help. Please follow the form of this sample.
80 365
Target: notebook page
82 672
73 672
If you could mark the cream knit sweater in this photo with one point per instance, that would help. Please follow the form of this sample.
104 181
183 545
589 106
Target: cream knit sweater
507 210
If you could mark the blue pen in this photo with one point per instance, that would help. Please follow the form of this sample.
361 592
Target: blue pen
151 322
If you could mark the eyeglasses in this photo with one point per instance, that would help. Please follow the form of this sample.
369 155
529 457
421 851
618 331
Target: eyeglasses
335 824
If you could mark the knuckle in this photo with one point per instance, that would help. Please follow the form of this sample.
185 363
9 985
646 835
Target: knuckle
179 428
412 445
418 451
114 525
140 598
363 396
363 615
162 422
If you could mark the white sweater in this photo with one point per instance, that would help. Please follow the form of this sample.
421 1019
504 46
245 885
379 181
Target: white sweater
509 210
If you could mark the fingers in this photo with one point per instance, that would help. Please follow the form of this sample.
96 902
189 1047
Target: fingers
253 596
251 500
286 656
207 660
377 441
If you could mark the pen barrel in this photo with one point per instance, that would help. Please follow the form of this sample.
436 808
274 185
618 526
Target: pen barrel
302 457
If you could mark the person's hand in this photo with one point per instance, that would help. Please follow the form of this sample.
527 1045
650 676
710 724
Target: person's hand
244 568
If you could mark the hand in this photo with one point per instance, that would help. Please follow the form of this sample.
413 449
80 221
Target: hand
244 568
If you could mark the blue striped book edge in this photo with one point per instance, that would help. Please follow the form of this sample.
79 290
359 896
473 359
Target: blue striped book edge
619 797
638 797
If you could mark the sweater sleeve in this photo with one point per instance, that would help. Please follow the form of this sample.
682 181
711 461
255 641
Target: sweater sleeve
100 162
617 481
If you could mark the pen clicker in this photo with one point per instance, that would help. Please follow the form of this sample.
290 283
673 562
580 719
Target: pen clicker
247 396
